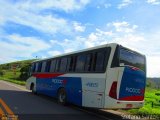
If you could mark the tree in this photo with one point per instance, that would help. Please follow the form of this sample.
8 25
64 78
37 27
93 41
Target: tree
24 72
1 72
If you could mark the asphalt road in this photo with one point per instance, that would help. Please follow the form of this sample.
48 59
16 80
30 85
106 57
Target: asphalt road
27 106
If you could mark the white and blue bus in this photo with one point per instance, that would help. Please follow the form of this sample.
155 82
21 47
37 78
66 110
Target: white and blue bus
107 76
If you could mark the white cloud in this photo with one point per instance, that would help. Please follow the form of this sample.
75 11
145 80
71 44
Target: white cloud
103 5
70 45
2 20
122 27
124 3
64 5
107 5
54 53
153 2
78 27
14 46
120 32
29 14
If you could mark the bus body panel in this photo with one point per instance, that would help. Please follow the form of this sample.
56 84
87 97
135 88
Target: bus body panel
81 90
93 88
72 85
115 104
128 79
31 80
132 84
93 91
113 76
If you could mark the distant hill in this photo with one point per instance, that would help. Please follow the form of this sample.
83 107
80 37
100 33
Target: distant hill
17 64
153 82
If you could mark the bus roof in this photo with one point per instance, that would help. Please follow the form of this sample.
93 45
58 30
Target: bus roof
74 52
92 48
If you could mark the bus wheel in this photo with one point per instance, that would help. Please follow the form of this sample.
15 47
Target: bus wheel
33 89
62 96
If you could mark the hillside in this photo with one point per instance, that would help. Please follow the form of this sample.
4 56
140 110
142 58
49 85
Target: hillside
153 83
18 64
15 70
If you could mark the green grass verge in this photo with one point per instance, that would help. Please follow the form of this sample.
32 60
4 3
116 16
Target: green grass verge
12 77
13 81
151 105
9 74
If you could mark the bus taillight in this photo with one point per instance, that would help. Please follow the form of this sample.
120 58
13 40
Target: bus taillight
113 90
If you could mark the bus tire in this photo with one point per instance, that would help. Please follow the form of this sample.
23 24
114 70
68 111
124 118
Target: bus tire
32 88
62 96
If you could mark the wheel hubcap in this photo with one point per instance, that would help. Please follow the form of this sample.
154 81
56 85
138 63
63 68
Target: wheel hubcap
62 97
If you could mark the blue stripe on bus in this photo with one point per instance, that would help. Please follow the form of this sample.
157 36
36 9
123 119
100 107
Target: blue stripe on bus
132 84
72 85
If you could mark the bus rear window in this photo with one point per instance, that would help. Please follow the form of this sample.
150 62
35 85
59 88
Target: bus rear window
131 58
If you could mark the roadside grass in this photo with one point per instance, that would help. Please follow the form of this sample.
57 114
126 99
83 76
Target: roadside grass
10 76
13 81
151 104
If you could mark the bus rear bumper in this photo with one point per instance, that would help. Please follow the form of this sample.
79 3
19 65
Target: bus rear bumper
118 104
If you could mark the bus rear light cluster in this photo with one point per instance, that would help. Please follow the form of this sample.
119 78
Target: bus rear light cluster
135 68
113 90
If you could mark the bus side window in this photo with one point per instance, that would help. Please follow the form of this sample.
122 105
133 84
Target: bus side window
43 66
88 63
101 59
80 63
72 63
39 67
58 61
53 65
48 65
68 64
108 51
33 67
36 68
99 66
63 65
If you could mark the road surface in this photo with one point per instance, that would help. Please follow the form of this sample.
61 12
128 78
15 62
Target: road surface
20 104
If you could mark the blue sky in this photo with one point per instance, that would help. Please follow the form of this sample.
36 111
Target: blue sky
43 28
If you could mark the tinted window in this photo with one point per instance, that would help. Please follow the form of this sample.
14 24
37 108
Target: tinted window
53 65
48 65
72 63
80 63
89 59
115 61
39 67
36 69
58 61
33 67
43 66
99 56
131 58
63 65
69 64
